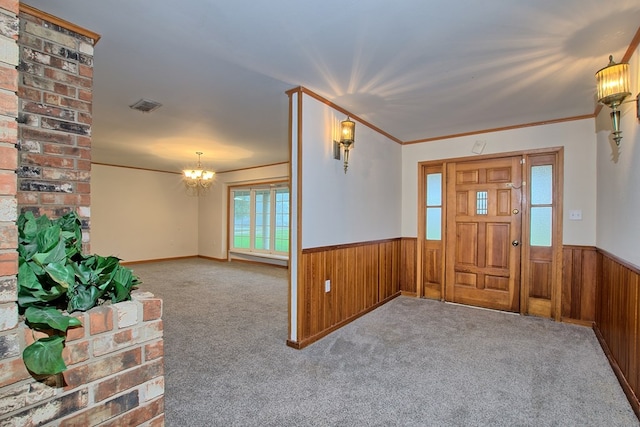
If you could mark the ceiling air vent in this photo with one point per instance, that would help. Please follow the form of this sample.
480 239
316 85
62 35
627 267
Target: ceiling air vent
145 105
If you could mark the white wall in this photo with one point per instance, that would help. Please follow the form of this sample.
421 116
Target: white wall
141 215
618 226
213 206
362 205
578 139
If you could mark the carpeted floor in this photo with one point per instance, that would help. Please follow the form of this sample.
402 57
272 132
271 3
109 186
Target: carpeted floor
412 362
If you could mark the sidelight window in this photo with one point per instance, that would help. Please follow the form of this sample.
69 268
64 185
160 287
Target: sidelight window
541 205
434 206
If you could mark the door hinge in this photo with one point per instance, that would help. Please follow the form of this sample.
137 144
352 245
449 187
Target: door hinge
522 161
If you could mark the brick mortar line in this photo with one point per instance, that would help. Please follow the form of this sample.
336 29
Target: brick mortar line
59 391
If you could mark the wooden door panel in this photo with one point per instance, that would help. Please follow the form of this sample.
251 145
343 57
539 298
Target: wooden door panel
497 246
467 243
466 279
503 200
540 279
488 298
496 175
497 283
462 202
482 266
467 177
432 269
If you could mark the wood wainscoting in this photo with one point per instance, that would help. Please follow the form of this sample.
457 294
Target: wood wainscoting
361 277
617 321
578 285
408 257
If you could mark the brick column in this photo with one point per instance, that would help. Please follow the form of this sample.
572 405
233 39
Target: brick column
9 339
55 90
115 373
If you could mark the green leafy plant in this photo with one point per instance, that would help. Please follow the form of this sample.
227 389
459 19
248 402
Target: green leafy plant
54 276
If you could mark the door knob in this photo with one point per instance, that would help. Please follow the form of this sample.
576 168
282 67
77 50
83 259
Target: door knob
515 243
516 211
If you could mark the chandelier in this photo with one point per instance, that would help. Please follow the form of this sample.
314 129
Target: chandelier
197 179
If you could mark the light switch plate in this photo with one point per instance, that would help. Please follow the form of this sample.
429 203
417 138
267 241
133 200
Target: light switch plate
575 215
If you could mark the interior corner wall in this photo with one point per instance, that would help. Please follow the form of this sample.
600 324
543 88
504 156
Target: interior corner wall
361 205
579 142
140 215
618 184
213 207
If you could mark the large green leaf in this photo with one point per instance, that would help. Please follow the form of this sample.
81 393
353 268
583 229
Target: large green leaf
28 298
48 238
49 318
123 282
44 357
27 226
28 249
71 232
83 298
60 273
27 278
39 297
82 272
31 290
57 253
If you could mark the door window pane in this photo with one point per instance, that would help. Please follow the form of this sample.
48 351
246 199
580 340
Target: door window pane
542 185
541 226
481 203
434 223
434 189
541 205
434 206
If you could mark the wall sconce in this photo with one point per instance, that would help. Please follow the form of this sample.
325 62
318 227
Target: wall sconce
347 139
198 179
613 87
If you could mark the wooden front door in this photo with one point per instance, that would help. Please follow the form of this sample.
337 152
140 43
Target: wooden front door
483 233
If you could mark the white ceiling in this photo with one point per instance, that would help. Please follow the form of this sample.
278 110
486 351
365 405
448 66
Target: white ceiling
416 69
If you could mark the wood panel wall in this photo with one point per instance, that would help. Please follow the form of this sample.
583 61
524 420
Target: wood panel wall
408 254
578 284
363 276
617 321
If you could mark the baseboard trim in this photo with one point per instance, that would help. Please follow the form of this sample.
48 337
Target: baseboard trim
587 323
255 262
146 261
298 345
628 391
209 258
408 294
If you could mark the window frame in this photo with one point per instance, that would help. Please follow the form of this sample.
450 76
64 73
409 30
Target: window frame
274 189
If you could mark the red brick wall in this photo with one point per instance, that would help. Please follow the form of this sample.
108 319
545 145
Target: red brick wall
9 337
55 91
115 372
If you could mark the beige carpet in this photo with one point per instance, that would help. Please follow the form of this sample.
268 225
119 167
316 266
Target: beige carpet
412 362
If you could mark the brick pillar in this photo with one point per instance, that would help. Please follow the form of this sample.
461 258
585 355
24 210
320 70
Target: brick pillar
9 340
55 91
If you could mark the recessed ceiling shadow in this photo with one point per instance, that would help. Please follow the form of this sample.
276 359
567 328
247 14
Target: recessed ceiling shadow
604 36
